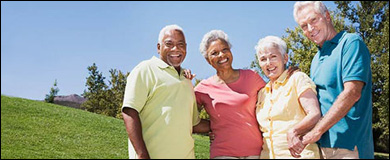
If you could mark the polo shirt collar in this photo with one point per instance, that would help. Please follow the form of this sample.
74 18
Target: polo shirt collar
335 40
282 79
159 62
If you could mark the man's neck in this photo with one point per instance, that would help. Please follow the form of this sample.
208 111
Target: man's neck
178 69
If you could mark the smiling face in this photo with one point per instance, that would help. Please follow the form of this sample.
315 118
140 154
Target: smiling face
219 55
272 62
317 27
173 48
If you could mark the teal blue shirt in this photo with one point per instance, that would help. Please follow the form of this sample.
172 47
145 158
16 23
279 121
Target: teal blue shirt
342 59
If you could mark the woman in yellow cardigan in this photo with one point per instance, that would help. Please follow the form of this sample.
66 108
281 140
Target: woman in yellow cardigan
287 106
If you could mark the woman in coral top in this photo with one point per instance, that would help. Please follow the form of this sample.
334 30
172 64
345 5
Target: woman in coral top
229 97
287 106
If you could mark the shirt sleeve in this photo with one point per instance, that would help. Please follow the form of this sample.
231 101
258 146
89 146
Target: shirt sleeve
136 91
195 115
260 99
303 82
356 61
198 94
261 83
256 79
198 97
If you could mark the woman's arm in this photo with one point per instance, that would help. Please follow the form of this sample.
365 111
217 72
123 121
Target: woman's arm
309 102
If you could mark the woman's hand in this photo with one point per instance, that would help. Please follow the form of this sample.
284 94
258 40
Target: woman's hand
211 137
188 75
295 144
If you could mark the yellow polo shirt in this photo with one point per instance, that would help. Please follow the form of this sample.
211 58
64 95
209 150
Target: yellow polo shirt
278 111
167 108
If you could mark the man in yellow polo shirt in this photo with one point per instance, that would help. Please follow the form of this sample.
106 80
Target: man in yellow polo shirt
159 107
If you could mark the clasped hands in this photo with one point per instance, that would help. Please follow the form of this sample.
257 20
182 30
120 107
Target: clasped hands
295 144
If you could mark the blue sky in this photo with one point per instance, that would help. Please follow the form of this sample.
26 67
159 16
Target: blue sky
44 41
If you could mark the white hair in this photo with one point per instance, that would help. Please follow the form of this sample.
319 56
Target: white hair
271 41
210 37
168 28
319 7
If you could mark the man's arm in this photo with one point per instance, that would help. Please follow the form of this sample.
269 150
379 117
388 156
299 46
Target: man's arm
202 127
344 102
134 131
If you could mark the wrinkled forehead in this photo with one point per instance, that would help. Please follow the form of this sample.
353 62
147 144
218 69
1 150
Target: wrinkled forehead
217 44
174 35
306 14
311 7
269 50
219 41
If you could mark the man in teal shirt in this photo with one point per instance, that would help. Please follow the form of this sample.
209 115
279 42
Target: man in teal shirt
341 70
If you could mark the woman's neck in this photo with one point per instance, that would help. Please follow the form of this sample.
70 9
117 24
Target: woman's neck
227 76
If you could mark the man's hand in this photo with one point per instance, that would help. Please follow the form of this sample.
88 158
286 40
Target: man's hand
134 131
311 137
291 70
295 144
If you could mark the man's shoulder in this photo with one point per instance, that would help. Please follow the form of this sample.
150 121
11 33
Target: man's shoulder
145 64
144 67
349 37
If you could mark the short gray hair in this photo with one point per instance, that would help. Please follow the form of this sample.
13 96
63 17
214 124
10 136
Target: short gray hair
271 41
168 28
319 7
210 37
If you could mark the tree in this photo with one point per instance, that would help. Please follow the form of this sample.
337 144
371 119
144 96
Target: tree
105 99
53 92
95 93
116 92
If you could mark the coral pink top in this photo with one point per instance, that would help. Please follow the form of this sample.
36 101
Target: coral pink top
232 114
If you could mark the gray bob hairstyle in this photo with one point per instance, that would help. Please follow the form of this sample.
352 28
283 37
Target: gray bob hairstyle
271 41
210 37
168 28
319 7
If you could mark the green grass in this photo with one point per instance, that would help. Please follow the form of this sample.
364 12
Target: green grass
35 130
202 146
381 155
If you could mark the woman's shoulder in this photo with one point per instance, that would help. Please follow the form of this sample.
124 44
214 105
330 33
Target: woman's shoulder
298 75
204 84
249 72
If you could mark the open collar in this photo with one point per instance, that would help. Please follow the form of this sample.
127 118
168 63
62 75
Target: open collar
282 79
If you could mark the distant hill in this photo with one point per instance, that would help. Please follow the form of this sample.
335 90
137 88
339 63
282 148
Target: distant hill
72 100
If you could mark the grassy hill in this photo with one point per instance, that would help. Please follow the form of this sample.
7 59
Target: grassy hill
38 130
35 130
